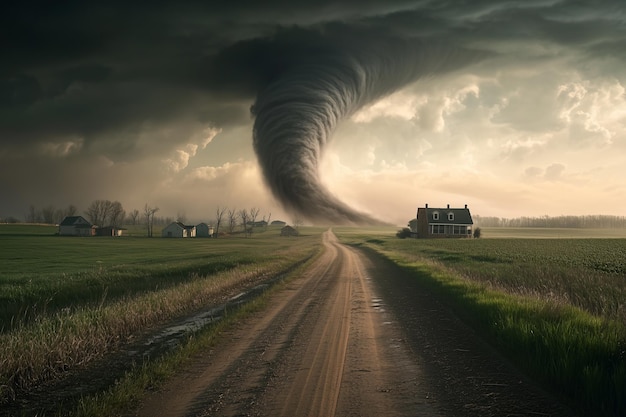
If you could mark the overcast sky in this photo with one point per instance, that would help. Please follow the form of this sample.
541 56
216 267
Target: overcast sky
152 104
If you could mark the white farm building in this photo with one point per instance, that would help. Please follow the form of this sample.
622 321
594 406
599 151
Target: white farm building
177 229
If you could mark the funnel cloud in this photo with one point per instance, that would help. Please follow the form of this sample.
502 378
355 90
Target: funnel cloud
327 80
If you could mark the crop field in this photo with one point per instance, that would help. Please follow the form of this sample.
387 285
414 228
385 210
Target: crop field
555 306
68 300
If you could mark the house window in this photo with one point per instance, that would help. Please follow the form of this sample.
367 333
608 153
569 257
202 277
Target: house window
436 215
450 216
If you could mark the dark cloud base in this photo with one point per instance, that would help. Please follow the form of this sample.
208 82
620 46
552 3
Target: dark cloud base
309 82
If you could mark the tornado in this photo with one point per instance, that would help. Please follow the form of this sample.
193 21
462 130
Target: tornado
298 110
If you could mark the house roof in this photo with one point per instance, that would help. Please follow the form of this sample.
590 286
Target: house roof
460 215
71 221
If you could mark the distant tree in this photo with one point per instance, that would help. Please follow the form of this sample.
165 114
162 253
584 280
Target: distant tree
403 233
297 221
134 216
116 214
148 213
71 210
232 220
106 213
181 217
254 213
97 212
412 225
245 219
59 215
219 216
48 213
477 232
33 216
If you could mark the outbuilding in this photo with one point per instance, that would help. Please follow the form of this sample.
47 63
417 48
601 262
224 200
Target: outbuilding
76 226
288 231
204 230
177 229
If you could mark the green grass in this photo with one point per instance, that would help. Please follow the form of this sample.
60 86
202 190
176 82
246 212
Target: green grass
551 233
553 306
66 301
42 274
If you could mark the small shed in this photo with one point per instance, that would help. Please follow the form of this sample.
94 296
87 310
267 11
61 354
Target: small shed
177 229
110 231
76 226
288 231
204 230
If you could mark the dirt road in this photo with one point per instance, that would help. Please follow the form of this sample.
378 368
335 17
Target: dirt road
329 345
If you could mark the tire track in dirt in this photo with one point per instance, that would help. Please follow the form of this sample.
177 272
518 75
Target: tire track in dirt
322 348
328 345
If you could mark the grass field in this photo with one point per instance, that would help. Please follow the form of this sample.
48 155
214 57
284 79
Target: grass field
67 300
553 300
555 306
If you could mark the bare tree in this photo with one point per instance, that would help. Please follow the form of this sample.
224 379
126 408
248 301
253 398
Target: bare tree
71 210
181 217
245 219
148 213
116 214
134 216
33 216
106 213
232 220
297 221
219 215
254 213
48 214
59 215
97 212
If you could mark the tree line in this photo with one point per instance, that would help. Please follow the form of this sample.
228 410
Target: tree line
585 221
103 213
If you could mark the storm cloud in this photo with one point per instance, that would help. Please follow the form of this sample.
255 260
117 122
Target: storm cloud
308 83
325 102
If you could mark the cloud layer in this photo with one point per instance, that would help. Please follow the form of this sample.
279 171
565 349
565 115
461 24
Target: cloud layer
514 108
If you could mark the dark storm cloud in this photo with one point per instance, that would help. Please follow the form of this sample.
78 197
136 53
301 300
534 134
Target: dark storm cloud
99 73
308 81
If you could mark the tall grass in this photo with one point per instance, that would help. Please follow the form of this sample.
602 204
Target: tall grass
87 327
40 275
556 311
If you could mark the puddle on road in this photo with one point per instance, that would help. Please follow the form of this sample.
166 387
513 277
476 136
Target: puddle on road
107 370
173 335
378 305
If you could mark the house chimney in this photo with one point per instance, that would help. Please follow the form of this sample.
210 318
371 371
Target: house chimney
448 205
426 205
466 206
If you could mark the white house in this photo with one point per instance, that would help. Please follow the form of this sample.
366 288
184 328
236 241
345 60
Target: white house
177 229
76 226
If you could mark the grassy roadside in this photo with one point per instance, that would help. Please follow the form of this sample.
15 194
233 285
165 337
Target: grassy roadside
54 341
129 391
579 354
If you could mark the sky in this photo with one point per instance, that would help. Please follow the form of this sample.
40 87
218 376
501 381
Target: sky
515 108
